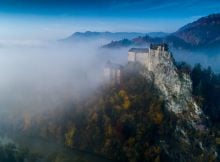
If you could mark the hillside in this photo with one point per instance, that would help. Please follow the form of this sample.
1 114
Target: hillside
203 34
130 122
153 115
139 41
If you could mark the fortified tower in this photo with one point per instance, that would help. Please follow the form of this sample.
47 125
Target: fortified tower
112 73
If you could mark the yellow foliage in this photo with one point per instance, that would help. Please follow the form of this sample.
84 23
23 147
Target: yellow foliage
217 141
155 113
109 131
122 93
157 159
69 136
158 118
126 102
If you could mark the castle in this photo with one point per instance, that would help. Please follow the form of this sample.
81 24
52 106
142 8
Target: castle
160 68
142 54
112 72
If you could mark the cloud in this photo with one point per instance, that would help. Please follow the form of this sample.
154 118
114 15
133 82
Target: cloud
50 76
22 43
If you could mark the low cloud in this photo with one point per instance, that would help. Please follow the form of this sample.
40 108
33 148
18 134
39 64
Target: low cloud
42 77
206 59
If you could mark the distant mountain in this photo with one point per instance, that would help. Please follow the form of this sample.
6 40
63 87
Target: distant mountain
139 41
171 39
158 34
199 35
89 35
204 32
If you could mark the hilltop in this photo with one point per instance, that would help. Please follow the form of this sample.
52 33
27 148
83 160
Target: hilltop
203 34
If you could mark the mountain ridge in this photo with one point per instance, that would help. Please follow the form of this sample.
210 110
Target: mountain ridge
201 34
91 35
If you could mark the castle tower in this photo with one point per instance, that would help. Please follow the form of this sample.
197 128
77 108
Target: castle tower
112 73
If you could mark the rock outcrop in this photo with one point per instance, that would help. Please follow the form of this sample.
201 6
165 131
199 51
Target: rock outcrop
175 87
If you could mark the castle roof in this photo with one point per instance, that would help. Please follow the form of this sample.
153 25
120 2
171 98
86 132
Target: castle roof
139 50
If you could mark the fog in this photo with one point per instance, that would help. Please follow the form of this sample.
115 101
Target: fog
206 59
36 76
45 75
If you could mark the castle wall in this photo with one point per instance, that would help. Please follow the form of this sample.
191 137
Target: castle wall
107 74
112 75
139 57
118 76
131 56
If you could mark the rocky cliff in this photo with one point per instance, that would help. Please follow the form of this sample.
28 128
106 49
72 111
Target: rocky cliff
176 87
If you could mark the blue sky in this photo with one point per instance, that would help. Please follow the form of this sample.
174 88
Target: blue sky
52 19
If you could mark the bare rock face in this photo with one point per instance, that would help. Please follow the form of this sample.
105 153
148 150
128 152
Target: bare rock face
175 87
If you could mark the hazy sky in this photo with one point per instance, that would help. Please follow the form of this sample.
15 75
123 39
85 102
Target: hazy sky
54 19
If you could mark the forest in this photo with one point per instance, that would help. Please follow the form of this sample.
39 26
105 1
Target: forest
128 122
